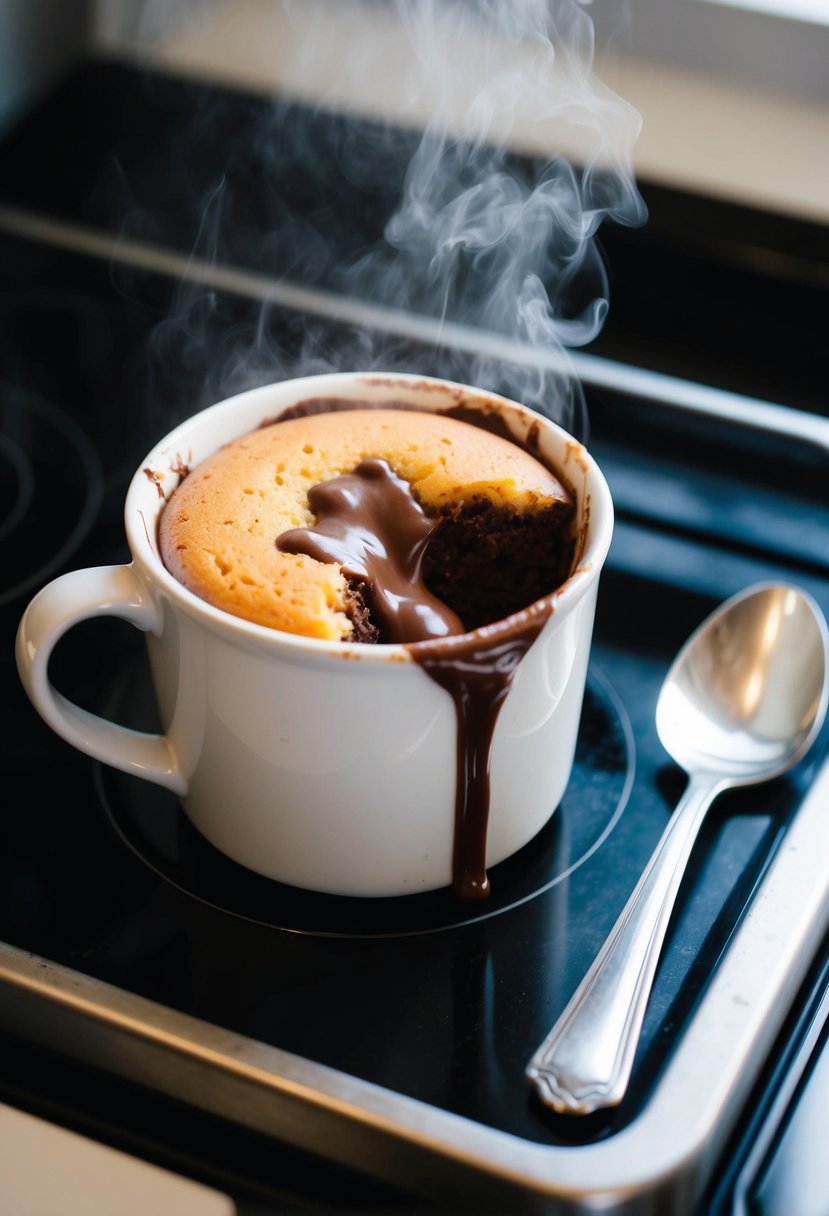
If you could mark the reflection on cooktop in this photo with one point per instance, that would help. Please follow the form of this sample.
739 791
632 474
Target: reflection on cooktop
150 820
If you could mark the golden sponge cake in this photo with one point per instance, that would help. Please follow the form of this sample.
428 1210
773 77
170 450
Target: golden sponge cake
219 529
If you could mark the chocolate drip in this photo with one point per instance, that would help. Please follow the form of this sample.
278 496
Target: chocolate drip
477 671
369 523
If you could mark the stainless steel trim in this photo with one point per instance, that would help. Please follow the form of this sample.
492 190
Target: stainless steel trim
668 391
785 1098
664 1156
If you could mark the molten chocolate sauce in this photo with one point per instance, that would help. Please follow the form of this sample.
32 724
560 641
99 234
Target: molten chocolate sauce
477 670
369 523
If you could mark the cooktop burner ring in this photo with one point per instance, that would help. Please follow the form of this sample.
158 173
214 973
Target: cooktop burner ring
151 823
41 447
15 472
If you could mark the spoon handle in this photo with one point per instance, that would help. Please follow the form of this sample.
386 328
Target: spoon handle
586 1060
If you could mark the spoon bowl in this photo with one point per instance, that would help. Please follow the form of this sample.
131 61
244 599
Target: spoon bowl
742 703
746 694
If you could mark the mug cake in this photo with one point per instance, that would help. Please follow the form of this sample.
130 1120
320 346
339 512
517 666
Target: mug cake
370 524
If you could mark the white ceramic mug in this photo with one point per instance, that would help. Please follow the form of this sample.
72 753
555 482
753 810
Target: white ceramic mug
329 766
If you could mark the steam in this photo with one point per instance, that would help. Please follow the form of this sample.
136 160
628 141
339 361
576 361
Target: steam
476 199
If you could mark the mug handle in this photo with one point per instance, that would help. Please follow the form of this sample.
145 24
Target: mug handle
57 607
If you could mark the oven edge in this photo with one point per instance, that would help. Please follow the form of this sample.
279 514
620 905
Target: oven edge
666 1155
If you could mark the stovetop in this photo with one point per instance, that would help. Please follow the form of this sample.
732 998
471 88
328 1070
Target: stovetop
388 1037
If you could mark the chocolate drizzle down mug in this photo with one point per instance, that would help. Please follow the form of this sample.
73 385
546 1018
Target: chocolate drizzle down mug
336 767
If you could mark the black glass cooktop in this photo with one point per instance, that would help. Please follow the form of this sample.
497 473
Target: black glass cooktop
102 874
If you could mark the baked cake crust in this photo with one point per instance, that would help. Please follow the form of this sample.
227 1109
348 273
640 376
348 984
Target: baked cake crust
218 531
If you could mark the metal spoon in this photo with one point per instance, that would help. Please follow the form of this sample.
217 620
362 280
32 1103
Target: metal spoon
742 702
